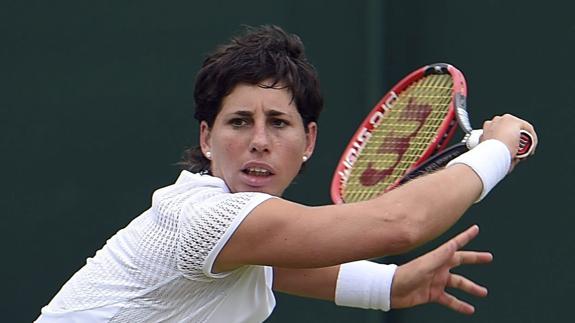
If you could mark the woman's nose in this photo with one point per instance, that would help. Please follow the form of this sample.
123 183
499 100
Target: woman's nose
260 139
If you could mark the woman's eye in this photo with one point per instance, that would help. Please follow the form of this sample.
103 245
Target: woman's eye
237 122
279 123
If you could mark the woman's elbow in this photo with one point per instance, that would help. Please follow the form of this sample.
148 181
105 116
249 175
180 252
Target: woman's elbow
407 231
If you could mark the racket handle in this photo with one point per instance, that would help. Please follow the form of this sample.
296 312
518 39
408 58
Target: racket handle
525 142
525 145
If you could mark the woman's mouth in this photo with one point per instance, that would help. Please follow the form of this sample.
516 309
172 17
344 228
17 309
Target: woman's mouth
257 174
256 171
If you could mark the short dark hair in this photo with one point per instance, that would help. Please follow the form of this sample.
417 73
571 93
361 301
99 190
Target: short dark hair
261 53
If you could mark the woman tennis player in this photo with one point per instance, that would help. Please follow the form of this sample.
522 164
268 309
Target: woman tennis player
215 245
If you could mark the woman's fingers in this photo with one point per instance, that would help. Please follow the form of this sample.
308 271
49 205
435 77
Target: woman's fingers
506 128
461 239
447 253
471 258
466 285
456 304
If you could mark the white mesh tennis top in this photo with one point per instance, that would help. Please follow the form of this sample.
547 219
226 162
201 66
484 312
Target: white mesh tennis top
158 268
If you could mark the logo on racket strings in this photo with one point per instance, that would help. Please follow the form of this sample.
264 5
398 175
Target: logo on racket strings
363 135
396 143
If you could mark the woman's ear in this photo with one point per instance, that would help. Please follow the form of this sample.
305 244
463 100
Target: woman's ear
205 139
311 136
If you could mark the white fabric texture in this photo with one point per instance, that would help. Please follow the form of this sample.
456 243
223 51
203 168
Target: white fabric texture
158 268
490 160
365 284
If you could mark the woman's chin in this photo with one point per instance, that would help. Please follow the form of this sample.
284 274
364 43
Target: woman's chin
256 183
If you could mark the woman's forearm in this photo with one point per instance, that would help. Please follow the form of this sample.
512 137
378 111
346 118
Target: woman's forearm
432 204
284 234
316 283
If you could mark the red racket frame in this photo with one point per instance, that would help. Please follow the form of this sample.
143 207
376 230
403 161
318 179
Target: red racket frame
445 132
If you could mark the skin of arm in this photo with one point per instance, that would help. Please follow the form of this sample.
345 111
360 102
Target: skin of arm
422 280
280 233
305 245
316 283
398 233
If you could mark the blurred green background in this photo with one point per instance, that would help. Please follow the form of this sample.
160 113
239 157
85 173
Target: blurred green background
96 107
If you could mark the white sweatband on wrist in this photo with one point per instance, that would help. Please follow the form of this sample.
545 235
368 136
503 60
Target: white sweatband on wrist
365 284
490 160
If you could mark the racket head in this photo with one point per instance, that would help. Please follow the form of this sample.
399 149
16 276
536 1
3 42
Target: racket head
414 120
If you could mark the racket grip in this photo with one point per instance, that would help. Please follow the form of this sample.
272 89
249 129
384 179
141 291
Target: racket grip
525 145
525 142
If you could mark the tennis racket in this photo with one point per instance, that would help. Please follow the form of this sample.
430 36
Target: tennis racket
405 135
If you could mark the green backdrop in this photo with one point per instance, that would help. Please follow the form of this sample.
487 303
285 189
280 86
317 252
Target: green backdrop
96 107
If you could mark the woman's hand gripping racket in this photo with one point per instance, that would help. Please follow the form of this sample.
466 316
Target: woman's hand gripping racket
404 136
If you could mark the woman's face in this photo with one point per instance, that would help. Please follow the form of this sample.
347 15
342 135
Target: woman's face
258 141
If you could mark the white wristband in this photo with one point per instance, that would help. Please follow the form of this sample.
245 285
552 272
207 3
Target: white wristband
490 160
365 284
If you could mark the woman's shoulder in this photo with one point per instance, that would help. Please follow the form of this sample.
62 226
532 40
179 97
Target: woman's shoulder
189 183
202 191
188 186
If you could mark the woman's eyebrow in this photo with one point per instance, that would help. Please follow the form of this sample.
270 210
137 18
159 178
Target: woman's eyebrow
275 113
268 113
242 113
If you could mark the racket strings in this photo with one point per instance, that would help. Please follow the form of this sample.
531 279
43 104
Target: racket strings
404 134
